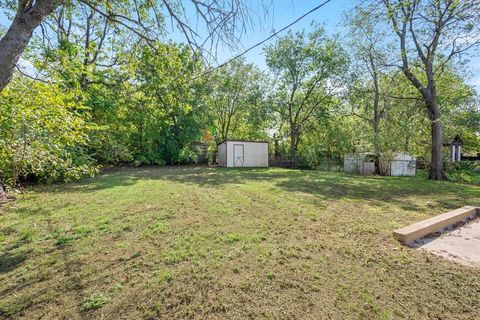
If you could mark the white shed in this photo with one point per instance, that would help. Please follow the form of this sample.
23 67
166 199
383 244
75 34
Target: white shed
238 153
399 164
359 163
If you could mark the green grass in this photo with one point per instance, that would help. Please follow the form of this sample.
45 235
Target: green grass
182 242
95 301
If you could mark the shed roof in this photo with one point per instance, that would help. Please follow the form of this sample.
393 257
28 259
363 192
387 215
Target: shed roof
258 141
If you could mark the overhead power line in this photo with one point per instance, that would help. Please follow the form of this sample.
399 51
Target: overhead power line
266 39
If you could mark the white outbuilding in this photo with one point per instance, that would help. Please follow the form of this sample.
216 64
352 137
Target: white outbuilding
240 153
359 163
399 164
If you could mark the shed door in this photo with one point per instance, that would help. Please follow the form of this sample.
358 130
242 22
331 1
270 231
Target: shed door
238 155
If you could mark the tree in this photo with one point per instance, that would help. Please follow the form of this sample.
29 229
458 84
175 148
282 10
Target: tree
327 140
430 35
405 128
368 91
307 70
224 20
28 16
461 110
43 134
236 101
79 45
171 107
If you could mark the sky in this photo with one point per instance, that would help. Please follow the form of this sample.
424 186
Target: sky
285 12
330 15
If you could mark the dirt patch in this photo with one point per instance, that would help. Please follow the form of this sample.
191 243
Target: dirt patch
460 243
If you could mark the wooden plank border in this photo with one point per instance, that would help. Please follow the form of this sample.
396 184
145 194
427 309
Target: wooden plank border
420 229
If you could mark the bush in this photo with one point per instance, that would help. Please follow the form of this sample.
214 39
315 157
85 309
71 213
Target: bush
466 171
314 157
44 133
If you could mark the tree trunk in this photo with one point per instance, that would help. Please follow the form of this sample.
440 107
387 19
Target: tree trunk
376 111
12 45
3 194
293 145
276 150
376 145
437 171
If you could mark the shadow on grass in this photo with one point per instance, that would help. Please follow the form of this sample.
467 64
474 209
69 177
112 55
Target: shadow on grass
203 176
323 185
10 261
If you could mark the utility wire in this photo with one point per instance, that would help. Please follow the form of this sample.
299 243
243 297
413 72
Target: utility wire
264 40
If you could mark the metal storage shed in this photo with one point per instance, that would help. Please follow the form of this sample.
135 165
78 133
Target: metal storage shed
401 164
238 153
360 163
398 164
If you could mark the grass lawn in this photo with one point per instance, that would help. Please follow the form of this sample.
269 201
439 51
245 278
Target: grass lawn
183 242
